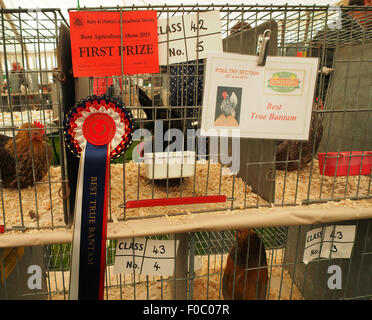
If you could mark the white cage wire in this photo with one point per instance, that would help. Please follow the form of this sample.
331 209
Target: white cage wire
281 180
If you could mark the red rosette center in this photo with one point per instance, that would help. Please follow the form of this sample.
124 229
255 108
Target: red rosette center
99 129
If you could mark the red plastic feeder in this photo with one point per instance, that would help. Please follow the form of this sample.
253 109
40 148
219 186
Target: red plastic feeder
343 160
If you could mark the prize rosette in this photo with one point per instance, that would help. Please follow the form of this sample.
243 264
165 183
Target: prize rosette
120 127
97 129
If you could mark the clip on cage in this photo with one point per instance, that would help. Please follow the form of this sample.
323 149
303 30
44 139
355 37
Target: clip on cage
263 47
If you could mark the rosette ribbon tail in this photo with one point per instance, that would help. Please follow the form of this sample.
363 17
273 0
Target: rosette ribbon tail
97 129
88 260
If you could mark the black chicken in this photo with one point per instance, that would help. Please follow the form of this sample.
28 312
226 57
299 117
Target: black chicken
177 118
292 154
185 95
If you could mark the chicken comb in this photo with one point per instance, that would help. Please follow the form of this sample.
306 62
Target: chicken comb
38 124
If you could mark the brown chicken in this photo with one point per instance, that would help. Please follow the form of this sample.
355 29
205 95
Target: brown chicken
250 272
40 153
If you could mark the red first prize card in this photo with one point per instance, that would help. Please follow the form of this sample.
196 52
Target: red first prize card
100 49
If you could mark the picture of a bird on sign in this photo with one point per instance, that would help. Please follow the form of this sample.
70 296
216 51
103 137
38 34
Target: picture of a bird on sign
228 104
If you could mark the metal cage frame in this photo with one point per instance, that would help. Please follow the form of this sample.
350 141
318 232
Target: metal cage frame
297 27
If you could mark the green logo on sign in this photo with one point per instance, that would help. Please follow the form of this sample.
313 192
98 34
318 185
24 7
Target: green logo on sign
284 81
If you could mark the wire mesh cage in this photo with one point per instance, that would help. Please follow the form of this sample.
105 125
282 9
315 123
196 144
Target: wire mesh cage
332 167
173 100
30 93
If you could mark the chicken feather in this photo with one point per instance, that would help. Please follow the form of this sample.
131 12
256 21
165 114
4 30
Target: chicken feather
27 155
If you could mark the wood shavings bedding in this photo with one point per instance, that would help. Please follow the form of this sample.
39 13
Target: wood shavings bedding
295 187
204 184
35 206
42 206
207 282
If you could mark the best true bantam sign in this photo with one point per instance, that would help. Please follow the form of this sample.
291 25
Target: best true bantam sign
243 99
